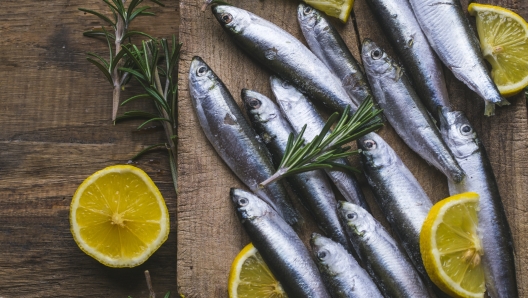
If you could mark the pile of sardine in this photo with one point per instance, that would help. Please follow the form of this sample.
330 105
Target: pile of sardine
357 257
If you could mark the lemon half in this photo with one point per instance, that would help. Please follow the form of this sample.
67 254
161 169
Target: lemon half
451 248
119 217
250 277
503 38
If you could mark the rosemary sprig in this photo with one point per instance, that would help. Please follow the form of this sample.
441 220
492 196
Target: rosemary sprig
327 146
120 21
155 66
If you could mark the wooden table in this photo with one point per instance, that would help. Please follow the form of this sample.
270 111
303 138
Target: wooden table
55 130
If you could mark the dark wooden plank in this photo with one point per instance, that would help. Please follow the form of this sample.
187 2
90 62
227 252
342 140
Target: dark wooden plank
208 231
55 130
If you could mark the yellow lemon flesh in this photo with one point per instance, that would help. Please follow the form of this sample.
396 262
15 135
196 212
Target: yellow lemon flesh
503 38
118 216
250 277
335 8
451 248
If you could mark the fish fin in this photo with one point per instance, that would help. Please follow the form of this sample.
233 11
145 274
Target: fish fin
503 102
489 108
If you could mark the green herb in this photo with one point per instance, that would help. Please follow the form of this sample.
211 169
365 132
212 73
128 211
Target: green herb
155 66
327 146
119 22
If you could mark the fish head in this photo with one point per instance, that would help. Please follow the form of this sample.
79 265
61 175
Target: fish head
307 16
328 254
375 152
258 106
458 133
357 219
201 77
248 205
232 18
286 94
376 61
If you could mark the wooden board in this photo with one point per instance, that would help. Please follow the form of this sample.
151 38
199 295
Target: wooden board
209 234
56 130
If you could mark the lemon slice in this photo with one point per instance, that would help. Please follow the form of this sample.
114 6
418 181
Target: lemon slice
503 38
250 277
335 8
119 217
451 248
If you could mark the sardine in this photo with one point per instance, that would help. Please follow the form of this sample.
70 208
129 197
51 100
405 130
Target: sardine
399 24
300 111
497 240
326 43
402 200
284 55
280 247
449 34
233 139
386 263
341 273
405 112
312 188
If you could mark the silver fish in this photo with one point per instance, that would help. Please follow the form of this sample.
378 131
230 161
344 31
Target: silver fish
326 43
449 34
280 247
284 55
312 188
405 112
299 111
402 200
233 139
497 241
386 263
341 273
419 59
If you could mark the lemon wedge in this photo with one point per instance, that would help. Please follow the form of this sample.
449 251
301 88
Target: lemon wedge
118 216
335 8
503 38
451 248
250 277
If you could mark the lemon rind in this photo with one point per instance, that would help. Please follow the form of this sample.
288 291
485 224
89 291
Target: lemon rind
118 262
236 267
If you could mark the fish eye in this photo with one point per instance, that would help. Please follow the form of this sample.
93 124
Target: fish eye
201 71
307 10
376 54
351 215
370 144
254 103
243 202
226 18
321 255
466 130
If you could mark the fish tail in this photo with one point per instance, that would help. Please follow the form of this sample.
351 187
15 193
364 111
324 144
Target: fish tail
489 108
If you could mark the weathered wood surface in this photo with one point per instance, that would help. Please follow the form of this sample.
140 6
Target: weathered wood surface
56 130
209 234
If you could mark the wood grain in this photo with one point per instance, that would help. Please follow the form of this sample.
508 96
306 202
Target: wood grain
209 233
55 130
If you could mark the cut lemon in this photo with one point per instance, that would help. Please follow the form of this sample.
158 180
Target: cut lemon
119 217
250 277
451 248
335 8
503 38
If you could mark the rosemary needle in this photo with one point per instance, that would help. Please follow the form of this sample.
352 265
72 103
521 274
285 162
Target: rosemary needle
327 146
